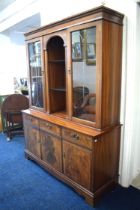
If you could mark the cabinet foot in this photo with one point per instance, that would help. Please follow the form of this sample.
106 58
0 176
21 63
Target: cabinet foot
27 157
90 200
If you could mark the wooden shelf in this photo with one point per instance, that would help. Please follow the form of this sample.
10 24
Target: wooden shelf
58 89
56 61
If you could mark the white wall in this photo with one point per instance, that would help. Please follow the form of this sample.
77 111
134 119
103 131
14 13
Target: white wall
14 20
19 61
6 79
13 61
136 130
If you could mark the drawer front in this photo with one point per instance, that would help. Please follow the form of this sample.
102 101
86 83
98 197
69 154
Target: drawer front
31 120
50 127
77 138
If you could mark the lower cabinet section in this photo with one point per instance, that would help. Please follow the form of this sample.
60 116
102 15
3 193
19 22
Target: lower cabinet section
87 163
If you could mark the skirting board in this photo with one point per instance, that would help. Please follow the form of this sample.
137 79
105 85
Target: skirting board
136 182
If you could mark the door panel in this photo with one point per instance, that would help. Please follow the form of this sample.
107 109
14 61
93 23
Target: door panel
33 141
51 150
77 164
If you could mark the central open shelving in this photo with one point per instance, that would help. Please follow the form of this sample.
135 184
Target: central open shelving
57 74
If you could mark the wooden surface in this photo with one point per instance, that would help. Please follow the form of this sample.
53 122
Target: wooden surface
56 73
81 153
51 150
111 73
77 159
88 164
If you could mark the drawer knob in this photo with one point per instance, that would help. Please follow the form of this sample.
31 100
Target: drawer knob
75 136
48 125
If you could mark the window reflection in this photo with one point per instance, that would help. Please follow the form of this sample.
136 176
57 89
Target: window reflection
84 73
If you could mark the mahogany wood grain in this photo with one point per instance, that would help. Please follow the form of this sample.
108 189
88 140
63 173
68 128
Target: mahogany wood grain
65 122
32 140
49 127
83 154
51 150
77 138
106 158
56 73
111 73
76 159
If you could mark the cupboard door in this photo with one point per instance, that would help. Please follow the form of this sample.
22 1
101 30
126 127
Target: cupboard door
36 74
51 150
77 164
32 139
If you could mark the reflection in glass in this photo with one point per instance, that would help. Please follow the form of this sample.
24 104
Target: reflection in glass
36 74
84 73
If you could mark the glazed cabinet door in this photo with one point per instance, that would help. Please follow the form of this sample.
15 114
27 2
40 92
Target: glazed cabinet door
84 73
77 164
32 137
36 73
51 150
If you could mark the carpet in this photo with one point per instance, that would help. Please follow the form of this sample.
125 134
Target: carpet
26 186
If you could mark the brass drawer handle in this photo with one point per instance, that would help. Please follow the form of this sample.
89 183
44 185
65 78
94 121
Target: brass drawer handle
75 136
48 126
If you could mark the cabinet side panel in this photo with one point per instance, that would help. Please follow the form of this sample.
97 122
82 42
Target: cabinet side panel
106 158
111 75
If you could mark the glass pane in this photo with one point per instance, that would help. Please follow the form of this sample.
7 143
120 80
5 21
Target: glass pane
36 74
84 73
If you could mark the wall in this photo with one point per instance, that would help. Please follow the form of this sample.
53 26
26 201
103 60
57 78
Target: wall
14 21
19 61
13 61
6 79
136 130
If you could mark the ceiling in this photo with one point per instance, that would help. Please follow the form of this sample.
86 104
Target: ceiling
25 25
5 3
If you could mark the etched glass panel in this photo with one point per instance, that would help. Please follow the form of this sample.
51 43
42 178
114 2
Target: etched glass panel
36 74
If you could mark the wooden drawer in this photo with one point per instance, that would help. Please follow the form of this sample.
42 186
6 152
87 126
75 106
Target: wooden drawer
77 138
50 127
32 120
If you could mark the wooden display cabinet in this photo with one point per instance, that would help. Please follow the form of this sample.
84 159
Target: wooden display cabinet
72 127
